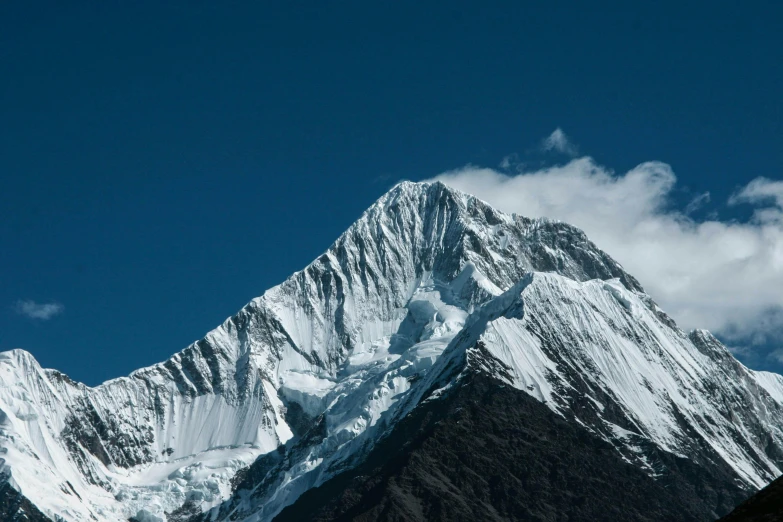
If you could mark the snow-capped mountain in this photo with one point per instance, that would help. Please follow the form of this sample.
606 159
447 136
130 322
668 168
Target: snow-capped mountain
428 287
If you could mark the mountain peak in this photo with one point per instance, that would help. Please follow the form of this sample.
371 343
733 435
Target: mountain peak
453 228
17 355
304 380
418 196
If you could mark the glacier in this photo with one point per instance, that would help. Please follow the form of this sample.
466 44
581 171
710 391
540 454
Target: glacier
428 285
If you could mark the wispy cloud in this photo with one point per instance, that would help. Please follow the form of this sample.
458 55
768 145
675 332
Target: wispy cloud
509 161
697 203
765 193
559 142
41 311
725 276
776 355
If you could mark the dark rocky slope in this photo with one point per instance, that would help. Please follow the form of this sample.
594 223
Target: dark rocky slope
491 452
764 506
15 507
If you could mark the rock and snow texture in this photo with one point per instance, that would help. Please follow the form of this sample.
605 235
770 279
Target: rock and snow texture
608 358
300 384
143 444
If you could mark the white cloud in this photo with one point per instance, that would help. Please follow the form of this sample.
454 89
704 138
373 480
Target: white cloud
42 311
725 276
559 142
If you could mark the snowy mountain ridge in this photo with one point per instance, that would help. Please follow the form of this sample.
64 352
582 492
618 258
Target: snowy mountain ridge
429 283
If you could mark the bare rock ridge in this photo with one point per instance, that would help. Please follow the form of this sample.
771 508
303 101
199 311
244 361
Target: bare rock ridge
428 290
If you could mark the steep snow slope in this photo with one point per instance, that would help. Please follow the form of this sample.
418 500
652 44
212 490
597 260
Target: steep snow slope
338 341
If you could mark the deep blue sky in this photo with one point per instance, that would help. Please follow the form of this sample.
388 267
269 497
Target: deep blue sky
161 165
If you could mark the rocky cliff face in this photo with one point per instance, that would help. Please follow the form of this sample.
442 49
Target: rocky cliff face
428 287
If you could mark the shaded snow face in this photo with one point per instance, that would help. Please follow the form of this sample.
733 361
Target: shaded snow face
303 380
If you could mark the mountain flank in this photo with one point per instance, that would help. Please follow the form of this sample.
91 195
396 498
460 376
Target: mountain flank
491 452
